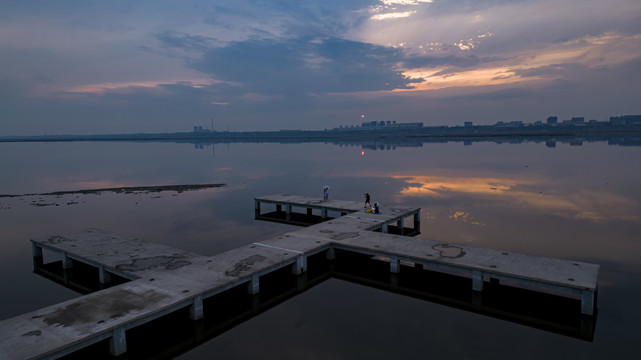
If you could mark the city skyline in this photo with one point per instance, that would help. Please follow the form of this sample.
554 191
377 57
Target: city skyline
121 67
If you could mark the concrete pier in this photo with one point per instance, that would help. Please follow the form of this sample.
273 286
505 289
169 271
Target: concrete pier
163 279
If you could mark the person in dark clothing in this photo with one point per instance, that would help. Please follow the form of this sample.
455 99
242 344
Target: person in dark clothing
367 200
376 209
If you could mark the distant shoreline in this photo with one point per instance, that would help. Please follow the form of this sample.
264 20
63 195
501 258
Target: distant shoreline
433 132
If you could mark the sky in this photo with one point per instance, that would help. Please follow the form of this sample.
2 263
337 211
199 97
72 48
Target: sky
89 67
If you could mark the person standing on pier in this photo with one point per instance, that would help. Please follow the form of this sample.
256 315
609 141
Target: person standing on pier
325 193
367 200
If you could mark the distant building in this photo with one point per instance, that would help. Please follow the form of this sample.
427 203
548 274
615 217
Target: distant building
200 129
575 121
625 120
414 125
468 123
552 120
510 124
388 125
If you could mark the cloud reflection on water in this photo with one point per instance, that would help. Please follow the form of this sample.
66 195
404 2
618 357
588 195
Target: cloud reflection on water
542 195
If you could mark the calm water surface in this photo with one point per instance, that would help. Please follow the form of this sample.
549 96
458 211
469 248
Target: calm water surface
575 202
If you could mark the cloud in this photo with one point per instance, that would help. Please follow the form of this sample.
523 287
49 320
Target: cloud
422 61
302 66
492 96
511 25
172 39
394 15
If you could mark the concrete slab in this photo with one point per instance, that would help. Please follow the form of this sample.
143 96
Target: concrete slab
302 201
352 225
567 273
299 243
76 323
121 255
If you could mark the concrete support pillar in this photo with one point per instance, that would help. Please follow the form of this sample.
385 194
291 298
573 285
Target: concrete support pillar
477 280
323 213
393 282
394 264
256 208
417 221
301 282
288 215
253 285
384 228
103 275
37 250
401 226
65 277
118 342
199 331
38 258
300 266
256 303
587 302
477 300
67 263
586 326
196 308
331 254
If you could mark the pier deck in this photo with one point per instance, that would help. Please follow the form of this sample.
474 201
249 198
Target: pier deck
164 279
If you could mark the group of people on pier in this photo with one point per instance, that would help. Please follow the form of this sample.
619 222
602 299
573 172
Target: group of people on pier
376 209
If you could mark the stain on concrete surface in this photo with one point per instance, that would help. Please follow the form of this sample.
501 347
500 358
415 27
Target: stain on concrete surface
449 251
97 309
345 235
57 239
244 265
166 262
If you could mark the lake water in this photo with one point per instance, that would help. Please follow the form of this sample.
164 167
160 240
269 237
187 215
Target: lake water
575 202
